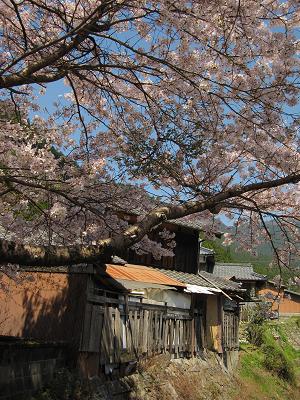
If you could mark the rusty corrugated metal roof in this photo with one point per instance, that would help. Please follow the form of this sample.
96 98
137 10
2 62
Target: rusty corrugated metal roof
140 273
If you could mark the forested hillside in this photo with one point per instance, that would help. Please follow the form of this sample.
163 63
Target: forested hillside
261 261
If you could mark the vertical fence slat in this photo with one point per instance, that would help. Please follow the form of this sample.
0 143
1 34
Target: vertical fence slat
96 329
107 336
176 338
85 339
150 331
171 336
160 346
145 331
156 332
141 328
118 338
129 332
165 334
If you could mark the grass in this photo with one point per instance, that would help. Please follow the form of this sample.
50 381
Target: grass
270 371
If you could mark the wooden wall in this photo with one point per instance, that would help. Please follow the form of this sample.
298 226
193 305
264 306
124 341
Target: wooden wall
185 258
214 323
230 330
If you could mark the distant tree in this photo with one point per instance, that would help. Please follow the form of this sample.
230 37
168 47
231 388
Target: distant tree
222 253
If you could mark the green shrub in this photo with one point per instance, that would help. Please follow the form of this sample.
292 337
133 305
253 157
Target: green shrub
276 361
254 334
255 327
275 358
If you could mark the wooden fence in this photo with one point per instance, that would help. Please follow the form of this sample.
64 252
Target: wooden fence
125 332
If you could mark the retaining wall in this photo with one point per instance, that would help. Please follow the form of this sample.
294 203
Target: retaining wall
26 367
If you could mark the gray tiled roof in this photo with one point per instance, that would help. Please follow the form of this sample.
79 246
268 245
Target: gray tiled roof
195 224
188 222
241 271
201 280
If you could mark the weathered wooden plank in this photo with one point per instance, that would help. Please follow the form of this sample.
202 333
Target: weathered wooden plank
203 338
196 333
228 330
145 331
192 336
102 300
186 347
186 336
176 338
95 329
117 336
161 322
85 338
187 332
225 330
107 337
148 332
141 332
165 334
181 338
156 332
130 332
237 330
232 331
151 333
171 338
136 330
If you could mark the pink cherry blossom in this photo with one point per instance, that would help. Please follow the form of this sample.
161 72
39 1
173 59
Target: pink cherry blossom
167 109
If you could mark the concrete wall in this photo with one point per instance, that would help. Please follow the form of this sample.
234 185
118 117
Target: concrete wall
27 367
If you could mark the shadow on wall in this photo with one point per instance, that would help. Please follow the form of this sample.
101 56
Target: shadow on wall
55 312
49 307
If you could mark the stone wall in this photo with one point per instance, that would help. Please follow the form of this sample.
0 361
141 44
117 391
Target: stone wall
26 367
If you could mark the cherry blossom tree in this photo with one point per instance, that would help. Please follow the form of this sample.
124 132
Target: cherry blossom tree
196 103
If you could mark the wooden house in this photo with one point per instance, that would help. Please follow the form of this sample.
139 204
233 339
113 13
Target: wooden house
243 273
186 251
111 318
113 315
283 302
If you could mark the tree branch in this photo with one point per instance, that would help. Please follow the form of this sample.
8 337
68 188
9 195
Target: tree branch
26 254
